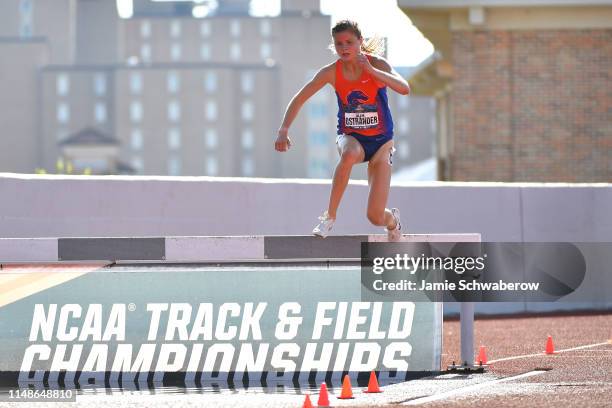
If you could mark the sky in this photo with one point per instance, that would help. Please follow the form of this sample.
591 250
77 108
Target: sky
406 45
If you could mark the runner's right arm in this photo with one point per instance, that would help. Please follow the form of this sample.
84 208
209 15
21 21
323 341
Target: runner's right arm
324 76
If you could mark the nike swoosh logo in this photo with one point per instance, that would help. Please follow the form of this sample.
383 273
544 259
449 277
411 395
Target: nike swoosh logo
367 80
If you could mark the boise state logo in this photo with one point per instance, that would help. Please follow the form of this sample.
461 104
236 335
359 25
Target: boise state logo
356 98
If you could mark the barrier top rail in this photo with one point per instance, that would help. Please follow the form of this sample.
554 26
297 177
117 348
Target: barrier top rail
202 248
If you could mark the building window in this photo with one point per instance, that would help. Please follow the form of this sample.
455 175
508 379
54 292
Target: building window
138 164
62 84
25 29
235 28
145 52
136 112
25 10
403 125
318 168
62 134
317 110
175 29
174 166
173 82
100 112
174 111
247 111
63 112
247 81
135 83
175 52
25 7
136 140
235 51
211 110
248 166
248 139
210 82
205 29
99 84
404 150
212 166
145 29
265 29
212 140
265 50
318 138
205 52
174 139
95 165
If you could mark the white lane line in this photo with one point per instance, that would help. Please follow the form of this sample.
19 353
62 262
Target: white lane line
470 388
543 354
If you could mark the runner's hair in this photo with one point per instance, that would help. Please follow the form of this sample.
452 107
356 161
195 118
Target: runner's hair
374 45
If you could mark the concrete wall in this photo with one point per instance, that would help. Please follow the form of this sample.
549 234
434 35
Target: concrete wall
105 206
68 206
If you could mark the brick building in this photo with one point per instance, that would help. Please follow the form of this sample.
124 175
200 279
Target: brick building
524 88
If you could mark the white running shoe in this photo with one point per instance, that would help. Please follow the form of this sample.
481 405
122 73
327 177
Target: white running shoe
325 225
395 234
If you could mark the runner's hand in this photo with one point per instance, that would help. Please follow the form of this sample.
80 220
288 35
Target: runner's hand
363 60
283 143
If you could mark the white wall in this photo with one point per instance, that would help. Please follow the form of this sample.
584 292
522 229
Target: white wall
101 206
64 206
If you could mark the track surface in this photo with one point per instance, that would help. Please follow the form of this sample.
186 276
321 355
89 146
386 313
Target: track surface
578 377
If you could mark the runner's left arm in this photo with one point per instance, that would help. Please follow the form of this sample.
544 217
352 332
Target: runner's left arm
380 69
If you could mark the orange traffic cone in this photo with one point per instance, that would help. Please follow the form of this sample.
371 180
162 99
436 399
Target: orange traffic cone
482 356
307 403
323 396
550 348
373 384
347 391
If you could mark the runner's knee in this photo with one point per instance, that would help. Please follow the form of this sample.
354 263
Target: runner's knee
376 217
383 157
350 156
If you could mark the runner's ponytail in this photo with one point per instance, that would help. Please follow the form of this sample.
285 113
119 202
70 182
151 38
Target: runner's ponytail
374 45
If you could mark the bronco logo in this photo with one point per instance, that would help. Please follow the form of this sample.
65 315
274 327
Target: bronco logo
356 98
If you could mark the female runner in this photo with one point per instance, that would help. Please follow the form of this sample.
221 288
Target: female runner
365 127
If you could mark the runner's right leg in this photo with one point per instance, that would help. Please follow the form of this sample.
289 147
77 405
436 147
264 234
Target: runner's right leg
351 152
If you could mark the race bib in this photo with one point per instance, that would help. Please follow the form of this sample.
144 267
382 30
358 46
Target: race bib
361 120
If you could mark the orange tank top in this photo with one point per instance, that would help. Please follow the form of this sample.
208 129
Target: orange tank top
363 107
